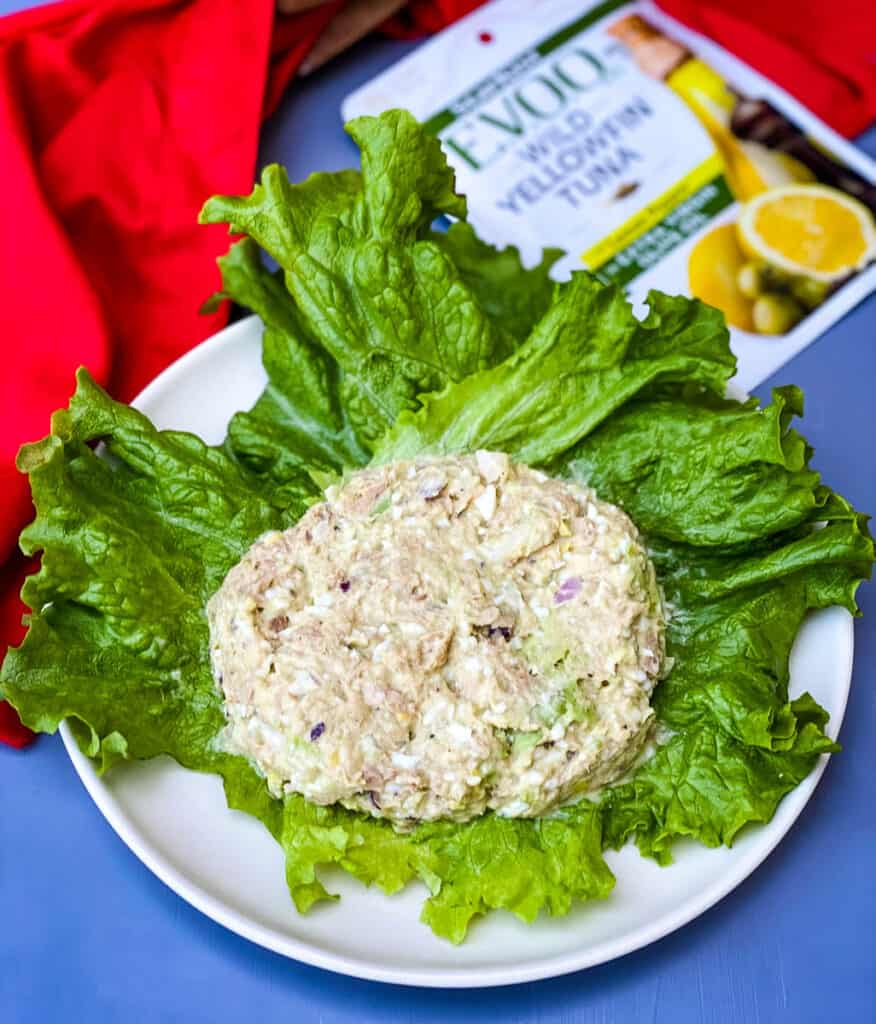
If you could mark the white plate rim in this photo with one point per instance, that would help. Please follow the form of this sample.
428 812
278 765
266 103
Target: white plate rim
770 835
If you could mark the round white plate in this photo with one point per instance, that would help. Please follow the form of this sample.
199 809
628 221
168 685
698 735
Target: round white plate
225 863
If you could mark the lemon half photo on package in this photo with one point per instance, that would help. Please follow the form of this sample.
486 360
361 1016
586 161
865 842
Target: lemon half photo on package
491 564
790 247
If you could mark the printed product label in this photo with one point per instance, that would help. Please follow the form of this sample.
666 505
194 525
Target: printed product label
605 133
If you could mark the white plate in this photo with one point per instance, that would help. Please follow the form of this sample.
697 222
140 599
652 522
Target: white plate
225 863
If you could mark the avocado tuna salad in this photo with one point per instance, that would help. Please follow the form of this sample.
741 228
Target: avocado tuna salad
441 637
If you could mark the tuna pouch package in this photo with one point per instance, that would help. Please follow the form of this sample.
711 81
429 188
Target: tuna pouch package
652 158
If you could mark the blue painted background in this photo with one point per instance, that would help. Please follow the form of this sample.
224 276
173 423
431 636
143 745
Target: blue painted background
87 933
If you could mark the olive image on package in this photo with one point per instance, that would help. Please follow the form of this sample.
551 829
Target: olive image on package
798 233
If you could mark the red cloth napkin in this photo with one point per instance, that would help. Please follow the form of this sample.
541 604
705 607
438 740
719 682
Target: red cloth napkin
117 120
822 53
421 17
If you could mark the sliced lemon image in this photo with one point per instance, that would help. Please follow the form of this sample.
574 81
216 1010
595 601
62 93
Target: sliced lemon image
713 269
812 231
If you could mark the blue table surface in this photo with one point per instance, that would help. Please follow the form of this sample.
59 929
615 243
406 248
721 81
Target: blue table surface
89 933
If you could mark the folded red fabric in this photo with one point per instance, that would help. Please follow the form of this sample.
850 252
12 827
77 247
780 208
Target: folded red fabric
421 17
824 54
116 121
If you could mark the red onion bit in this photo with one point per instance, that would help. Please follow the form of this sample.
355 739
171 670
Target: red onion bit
569 588
503 631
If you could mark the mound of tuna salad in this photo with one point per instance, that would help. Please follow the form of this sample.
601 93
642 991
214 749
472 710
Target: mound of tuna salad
439 638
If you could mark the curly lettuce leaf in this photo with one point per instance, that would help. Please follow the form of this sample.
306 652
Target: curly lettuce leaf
519 865
705 785
736 618
132 548
513 297
364 274
300 422
586 357
703 471
488 864
738 744
409 308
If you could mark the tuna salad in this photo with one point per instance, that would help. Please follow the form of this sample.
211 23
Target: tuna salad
439 638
